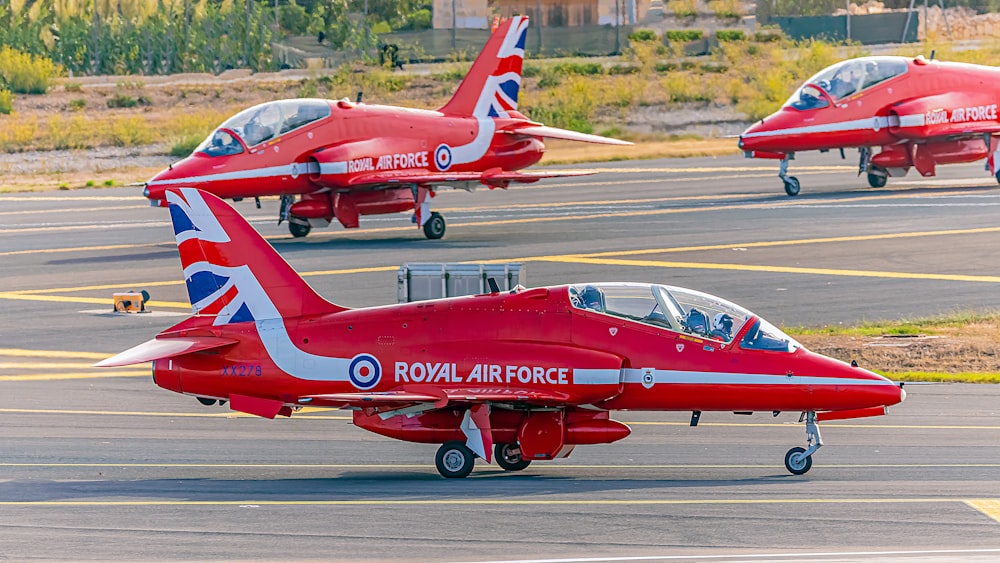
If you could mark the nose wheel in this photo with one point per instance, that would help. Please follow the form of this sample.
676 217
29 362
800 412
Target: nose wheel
799 460
298 226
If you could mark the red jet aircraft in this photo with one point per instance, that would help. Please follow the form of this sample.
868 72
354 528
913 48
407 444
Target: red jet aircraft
513 376
919 112
346 159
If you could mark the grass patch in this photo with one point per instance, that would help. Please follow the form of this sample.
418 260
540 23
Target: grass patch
940 377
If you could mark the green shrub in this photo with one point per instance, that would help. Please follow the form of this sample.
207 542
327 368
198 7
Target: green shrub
527 71
767 36
130 132
683 35
623 69
293 18
185 146
72 86
122 101
580 69
26 74
730 35
6 102
717 68
683 8
665 67
77 104
642 35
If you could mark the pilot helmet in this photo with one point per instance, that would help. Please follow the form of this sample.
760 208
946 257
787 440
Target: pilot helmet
722 322
592 298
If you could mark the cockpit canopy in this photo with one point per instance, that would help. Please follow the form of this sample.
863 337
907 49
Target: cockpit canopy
262 123
845 79
681 310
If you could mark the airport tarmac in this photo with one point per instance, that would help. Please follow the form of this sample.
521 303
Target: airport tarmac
104 465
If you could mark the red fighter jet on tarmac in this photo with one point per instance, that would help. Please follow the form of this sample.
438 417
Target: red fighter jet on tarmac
513 377
919 113
344 159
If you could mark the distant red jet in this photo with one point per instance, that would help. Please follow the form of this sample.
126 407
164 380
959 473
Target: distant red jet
344 159
513 376
920 113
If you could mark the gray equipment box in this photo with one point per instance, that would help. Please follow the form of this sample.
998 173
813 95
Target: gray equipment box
419 282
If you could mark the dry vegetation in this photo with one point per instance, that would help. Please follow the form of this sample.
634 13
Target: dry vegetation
961 347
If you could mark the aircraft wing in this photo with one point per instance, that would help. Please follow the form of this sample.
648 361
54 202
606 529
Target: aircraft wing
440 397
547 132
494 177
160 348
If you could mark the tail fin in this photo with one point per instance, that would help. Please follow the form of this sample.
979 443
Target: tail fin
490 89
231 272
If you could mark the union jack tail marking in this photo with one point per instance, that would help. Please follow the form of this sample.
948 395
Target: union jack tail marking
491 87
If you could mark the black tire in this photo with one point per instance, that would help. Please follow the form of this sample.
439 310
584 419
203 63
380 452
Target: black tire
509 458
206 401
878 180
434 227
792 186
454 460
796 463
299 227
998 176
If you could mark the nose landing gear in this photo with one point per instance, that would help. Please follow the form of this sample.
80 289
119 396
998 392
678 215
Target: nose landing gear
791 182
799 460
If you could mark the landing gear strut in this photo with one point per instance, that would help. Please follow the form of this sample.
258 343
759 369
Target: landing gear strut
454 460
799 460
791 182
877 176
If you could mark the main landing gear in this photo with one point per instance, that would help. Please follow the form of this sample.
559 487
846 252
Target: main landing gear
434 227
877 176
455 460
799 460
791 182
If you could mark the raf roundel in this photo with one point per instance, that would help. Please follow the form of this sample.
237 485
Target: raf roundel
442 157
365 371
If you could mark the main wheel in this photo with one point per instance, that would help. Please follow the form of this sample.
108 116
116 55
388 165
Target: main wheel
434 227
998 176
796 463
509 457
792 186
879 179
454 460
299 227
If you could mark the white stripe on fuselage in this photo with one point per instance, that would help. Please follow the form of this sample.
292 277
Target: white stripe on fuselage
293 169
874 123
722 378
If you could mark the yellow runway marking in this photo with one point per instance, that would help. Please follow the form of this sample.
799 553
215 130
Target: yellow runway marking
308 413
486 502
779 269
70 375
224 414
989 507
45 365
73 210
86 248
24 353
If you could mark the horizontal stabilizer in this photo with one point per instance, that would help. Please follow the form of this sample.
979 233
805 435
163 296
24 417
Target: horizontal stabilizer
160 348
547 132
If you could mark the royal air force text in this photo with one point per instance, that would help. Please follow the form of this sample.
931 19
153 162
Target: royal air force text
421 372
395 161
961 115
